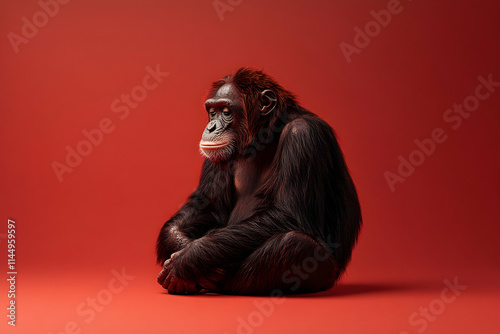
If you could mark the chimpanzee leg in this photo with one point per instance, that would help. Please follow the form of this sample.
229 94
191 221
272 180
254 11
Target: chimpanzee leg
290 262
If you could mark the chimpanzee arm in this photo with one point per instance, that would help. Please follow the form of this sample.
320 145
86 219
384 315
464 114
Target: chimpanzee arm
208 207
214 255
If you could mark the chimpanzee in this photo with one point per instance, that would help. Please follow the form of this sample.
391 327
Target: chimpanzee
275 211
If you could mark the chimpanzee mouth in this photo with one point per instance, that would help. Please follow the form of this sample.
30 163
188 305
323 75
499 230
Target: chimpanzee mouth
210 145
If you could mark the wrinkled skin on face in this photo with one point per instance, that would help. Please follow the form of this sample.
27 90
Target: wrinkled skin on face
225 110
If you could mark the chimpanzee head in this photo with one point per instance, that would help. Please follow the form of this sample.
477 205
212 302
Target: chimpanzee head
238 106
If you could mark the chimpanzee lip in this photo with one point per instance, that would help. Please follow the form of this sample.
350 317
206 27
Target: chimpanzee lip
212 145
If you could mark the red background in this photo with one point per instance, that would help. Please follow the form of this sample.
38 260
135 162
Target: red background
441 223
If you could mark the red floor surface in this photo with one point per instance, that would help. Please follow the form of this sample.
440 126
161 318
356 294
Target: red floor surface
411 87
83 302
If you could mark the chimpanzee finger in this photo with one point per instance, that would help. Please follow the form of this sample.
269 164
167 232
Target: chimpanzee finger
166 282
164 272
172 287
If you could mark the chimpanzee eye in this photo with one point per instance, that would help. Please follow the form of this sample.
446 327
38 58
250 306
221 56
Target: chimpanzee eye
226 111
211 111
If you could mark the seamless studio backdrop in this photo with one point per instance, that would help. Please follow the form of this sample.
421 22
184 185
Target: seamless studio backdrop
101 112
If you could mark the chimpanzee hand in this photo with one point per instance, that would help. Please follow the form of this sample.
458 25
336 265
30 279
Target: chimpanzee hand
169 279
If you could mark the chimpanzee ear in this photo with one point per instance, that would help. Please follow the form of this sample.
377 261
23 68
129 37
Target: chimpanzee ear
268 100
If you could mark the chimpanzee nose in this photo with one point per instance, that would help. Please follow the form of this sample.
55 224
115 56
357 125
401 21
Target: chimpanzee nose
211 126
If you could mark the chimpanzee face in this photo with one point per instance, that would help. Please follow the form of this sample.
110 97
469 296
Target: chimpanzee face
225 115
